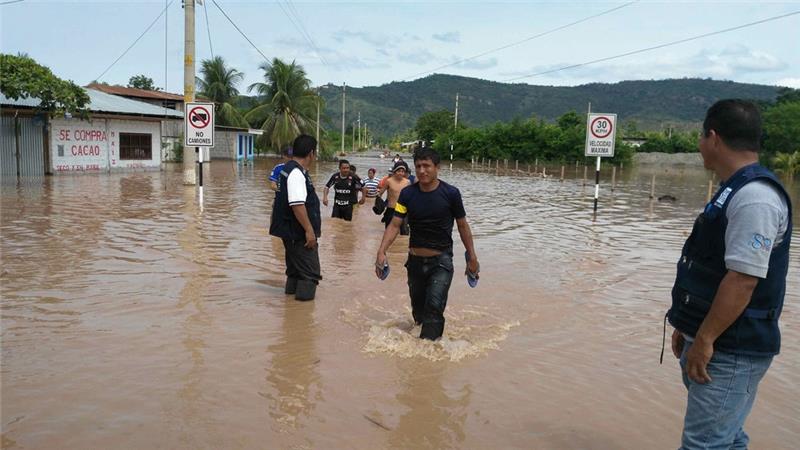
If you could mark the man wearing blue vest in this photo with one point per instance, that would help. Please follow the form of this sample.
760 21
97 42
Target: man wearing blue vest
731 280
296 220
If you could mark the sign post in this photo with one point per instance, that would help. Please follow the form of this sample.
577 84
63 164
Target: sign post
199 133
601 130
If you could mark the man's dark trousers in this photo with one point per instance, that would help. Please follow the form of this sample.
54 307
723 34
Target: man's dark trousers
429 281
302 263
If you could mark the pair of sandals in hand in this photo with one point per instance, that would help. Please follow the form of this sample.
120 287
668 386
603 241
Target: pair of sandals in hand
472 277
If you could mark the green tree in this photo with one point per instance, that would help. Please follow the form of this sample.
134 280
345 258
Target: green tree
218 84
288 107
781 128
21 77
142 82
433 123
787 163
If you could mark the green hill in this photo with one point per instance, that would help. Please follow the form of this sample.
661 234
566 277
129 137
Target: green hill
394 107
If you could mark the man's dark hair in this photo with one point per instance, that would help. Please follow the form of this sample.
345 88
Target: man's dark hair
343 161
303 146
427 153
737 122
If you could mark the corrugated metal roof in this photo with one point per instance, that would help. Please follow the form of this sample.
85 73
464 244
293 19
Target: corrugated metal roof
100 102
134 92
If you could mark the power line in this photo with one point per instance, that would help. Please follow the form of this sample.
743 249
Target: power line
294 18
136 41
208 29
11 2
668 44
239 30
530 38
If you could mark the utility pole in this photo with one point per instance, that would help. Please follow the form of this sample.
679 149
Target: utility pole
366 141
189 157
317 117
359 130
354 136
344 93
455 127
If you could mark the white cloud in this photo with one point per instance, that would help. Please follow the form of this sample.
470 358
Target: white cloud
789 82
418 56
477 64
733 62
450 36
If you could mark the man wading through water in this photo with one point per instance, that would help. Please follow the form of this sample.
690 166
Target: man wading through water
345 188
296 220
431 205
394 184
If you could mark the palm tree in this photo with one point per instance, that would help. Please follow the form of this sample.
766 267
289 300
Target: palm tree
787 163
289 105
218 84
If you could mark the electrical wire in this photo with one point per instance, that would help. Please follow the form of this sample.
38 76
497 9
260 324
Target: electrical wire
530 38
240 30
208 29
656 47
11 2
294 18
136 41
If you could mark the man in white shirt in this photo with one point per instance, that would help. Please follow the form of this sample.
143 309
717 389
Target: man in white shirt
296 220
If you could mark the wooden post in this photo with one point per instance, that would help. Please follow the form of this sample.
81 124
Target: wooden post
516 166
529 168
536 168
613 177
584 175
653 187
710 190
562 173
544 172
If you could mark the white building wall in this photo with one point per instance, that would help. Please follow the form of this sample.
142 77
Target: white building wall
93 146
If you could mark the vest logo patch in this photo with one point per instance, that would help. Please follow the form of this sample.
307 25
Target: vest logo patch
759 242
723 197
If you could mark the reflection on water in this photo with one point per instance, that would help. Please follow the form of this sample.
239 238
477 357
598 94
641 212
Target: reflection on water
132 319
292 371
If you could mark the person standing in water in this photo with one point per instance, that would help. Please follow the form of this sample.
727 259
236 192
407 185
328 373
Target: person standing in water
431 206
343 185
275 175
296 220
731 282
394 185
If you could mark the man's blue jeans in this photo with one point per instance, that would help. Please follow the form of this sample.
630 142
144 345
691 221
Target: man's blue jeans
429 281
716 411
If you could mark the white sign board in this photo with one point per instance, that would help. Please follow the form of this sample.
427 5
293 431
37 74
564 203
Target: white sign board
601 129
199 125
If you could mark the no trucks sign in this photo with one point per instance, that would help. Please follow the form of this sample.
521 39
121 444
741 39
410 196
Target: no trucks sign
199 125
601 129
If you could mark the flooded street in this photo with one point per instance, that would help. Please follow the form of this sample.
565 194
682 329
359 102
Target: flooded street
132 319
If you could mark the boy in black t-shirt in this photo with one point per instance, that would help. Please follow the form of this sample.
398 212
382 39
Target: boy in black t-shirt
431 206
345 188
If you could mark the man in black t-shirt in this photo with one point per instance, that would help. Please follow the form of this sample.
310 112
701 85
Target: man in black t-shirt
344 187
431 206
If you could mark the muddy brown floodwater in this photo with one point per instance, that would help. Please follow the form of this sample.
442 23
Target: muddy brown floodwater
132 319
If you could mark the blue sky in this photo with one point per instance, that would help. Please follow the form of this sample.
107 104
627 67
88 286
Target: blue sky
372 43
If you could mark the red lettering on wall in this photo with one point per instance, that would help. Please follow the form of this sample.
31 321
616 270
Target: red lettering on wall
63 135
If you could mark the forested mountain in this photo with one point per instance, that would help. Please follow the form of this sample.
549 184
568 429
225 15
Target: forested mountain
393 108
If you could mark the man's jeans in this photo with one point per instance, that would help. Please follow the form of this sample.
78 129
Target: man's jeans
429 281
716 411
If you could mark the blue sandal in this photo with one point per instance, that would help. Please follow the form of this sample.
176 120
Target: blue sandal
472 278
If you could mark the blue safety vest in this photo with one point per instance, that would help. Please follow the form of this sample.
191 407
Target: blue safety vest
283 223
702 267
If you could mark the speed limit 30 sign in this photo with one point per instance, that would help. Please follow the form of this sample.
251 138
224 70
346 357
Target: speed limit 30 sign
601 129
199 125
